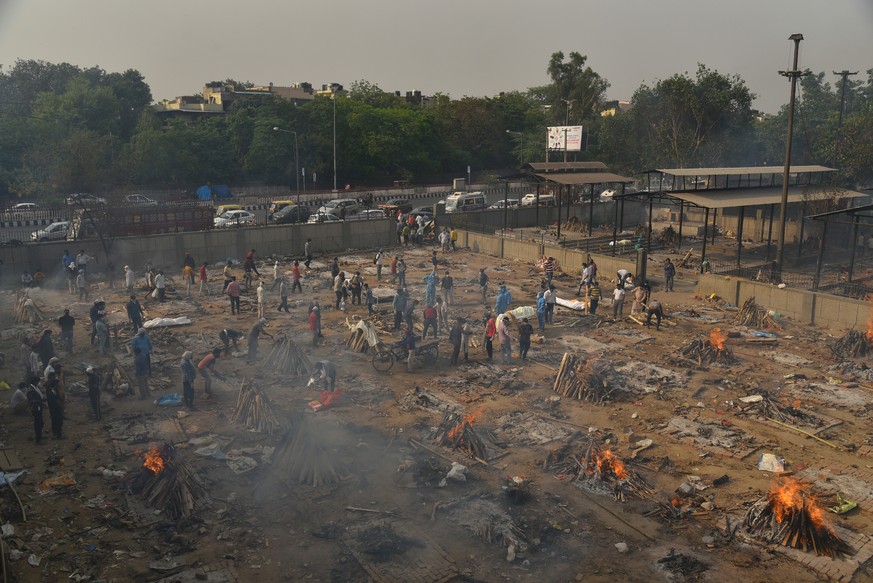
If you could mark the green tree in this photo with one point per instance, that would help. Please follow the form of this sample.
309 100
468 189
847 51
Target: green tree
574 82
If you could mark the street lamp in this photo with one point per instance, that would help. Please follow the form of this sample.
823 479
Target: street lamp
296 159
521 141
569 102
333 96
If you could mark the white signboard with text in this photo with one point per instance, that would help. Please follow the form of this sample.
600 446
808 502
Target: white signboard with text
571 134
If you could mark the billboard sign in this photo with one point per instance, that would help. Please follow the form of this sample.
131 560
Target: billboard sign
572 135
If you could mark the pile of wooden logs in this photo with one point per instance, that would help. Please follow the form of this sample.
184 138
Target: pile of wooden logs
456 431
754 316
115 380
358 338
303 458
286 358
788 516
601 467
26 310
575 225
768 408
582 379
852 345
255 412
669 236
703 351
171 486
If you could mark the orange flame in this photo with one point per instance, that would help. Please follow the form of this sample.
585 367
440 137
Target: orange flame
870 322
154 461
717 338
790 497
466 420
607 461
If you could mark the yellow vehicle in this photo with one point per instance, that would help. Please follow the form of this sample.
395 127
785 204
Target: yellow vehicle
277 205
221 209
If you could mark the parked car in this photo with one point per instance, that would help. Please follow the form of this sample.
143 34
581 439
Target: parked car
234 218
290 214
531 200
52 232
340 207
323 218
366 215
24 206
422 210
510 203
139 200
83 199
396 204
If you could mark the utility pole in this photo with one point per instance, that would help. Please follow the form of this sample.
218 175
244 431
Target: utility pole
793 75
845 74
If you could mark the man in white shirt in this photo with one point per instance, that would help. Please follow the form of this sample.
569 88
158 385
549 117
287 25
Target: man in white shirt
161 285
617 302
550 295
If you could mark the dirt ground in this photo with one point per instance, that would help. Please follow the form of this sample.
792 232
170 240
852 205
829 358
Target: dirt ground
393 517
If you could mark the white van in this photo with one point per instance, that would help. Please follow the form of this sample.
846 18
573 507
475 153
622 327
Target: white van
461 202
531 200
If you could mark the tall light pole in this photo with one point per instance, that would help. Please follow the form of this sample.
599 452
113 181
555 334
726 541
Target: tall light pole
793 74
521 141
333 96
296 158
569 102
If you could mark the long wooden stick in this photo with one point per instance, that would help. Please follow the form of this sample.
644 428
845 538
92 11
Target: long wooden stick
14 491
807 433
648 536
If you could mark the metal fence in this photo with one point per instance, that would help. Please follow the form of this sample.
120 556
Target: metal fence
830 281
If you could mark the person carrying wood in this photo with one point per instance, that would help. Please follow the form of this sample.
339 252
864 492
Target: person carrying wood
657 310
254 335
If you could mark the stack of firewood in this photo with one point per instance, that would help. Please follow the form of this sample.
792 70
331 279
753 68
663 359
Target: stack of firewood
704 351
669 236
601 467
255 412
792 414
303 458
358 338
115 380
26 310
788 516
582 379
285 357
852 345
456 431
169 485
754 316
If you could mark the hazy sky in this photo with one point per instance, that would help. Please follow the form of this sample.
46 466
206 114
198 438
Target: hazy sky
472 47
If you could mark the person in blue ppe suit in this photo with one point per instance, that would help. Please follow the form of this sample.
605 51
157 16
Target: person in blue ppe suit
541 311
504 298
431 281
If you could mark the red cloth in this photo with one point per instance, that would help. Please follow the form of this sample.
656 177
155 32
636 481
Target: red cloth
328 399
313 321
202 273
430 313
295 273
490 328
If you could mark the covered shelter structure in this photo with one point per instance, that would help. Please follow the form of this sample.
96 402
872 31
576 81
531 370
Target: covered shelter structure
714 189
573 177
855 218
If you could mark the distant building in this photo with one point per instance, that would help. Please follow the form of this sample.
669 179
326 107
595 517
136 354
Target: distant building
217 97
611 108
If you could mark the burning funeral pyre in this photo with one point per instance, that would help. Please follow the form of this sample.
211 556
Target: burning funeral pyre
167 483
582 379
788 516
255 411
601 470
853 344
287 359
711 350
456 431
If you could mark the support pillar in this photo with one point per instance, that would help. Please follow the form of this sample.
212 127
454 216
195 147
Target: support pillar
854 248
742 219
703 251
821 247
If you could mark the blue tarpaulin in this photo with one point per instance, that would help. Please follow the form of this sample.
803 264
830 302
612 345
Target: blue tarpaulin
207 192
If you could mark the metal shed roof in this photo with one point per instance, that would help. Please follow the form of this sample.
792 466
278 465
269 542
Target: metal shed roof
740 171
584 178
565 166
719 199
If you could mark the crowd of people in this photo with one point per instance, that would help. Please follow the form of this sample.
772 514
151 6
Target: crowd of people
434 303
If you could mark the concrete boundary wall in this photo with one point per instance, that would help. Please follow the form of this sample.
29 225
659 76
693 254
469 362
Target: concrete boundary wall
834 313
167 250
569 260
